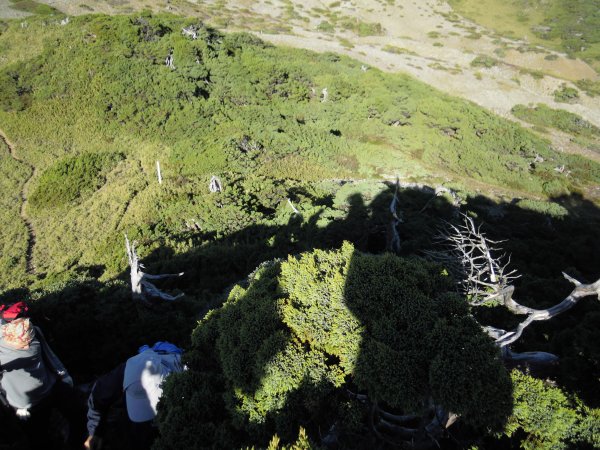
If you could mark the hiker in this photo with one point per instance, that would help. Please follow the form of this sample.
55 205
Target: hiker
34 381
139 382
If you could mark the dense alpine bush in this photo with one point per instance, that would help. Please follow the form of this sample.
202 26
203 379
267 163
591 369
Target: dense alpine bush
232 106
73 178
279 351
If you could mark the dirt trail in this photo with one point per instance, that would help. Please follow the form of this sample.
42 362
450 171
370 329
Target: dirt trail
23 213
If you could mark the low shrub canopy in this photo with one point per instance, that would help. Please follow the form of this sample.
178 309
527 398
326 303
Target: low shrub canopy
275 356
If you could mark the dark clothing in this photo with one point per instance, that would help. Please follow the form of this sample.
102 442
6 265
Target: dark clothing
32 385
41 431
108 391
137 383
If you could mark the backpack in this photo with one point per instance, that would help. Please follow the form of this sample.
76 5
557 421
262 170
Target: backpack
13 311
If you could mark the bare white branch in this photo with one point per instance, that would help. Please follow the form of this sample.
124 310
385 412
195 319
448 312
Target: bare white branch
158 173
470 256
215 184
141 288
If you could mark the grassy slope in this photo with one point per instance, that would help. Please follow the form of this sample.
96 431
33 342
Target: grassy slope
248 113
13 246
572 27
100 85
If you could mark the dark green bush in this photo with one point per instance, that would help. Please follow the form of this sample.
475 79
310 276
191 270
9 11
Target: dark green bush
549 418
282 347
560 119
72 179
566 94
484 61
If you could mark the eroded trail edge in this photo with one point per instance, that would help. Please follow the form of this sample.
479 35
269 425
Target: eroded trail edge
30 267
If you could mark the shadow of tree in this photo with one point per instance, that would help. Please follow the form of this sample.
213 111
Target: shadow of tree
94 325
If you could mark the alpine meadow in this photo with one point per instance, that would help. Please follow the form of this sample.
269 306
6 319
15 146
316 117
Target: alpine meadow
359 260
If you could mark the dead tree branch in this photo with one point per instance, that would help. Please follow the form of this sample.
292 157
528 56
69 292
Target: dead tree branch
215 184
470 256
394 244
141 288
486 278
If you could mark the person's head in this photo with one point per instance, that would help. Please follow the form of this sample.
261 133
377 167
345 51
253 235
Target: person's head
144 374
13 311
18 333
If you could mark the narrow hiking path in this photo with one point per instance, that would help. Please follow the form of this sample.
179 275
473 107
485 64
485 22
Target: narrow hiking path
30 267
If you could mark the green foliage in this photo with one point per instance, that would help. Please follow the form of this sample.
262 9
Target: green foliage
566 94
547 208
571 27
590 87
92 106
548 417
303 442
397 50
31 6
15 91
326 27
484 61
285 344
73 178
362 28
105 89
560 119
13 243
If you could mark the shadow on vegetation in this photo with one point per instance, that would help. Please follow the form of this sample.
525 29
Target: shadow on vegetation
253 374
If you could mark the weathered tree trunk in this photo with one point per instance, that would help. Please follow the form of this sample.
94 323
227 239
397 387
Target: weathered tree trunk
485 279
393 238
158 173
141 288
215 184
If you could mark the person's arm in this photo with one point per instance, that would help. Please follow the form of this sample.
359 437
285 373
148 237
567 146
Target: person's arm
106 391
54 363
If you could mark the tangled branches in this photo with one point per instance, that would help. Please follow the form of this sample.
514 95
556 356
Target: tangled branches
485 278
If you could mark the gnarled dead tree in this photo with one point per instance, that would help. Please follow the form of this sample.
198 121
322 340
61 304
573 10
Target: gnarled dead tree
169 62
191 31
485 278
215 184
294 208
141 288
408 430
393 244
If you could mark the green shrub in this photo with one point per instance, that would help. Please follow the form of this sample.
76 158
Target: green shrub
484 61
397 50
284 344
544 116
566 94
591 88
325 27
72 179
548 417
31 6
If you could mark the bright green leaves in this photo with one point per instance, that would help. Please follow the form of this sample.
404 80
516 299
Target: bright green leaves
548 417
286 341
73 178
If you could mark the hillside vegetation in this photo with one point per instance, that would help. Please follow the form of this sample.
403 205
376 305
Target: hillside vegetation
572 27
234 107
306 147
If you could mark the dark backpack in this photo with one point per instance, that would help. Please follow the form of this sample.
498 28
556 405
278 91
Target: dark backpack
13 311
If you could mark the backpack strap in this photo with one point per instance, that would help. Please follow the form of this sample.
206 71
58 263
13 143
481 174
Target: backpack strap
50 357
